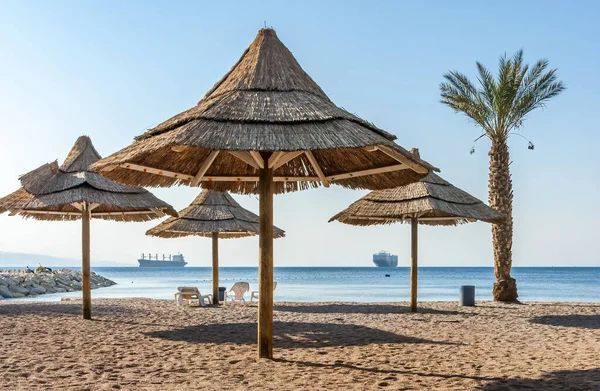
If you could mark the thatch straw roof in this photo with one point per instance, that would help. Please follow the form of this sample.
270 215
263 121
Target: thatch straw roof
433 200
51 192
210 212
265 103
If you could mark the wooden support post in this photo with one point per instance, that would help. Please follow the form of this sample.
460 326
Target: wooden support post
258 159
215 268
204 167
287 157
265 263
402 159
245 157
275 158
317 168
85 263
414 225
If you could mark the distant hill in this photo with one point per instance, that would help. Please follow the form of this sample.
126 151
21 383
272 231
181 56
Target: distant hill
32 260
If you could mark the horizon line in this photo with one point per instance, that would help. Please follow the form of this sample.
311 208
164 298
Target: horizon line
325 266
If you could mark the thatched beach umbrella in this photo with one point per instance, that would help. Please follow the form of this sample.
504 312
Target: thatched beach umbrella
215 215
72 192
430 201
266 127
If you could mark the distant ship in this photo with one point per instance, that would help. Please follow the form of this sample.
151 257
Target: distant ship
171 261
385 259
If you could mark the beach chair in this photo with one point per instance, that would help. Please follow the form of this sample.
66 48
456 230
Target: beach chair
191 294
239 289
254 294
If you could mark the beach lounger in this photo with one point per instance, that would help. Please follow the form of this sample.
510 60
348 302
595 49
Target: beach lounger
239 289
191 294
254 294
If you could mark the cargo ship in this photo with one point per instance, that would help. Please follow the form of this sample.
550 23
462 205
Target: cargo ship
385 259
170 261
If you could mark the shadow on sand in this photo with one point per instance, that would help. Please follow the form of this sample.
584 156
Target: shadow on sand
577 380
23 308
385 371
290 335
358 308
560 380
580 321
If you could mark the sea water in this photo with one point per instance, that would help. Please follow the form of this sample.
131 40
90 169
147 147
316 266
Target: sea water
360 284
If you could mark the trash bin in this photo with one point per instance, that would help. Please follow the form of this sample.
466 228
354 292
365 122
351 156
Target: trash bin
222 290
466 295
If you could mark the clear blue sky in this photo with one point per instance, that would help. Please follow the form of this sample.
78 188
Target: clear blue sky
113 69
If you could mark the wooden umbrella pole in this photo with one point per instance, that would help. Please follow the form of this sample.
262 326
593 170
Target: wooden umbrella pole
414 223
85 263
265 268
215 267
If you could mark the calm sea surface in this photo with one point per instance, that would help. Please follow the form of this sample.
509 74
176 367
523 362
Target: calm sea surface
366 284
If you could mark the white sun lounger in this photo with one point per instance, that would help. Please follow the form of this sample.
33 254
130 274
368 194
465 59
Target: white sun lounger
239 289
254 294
191 294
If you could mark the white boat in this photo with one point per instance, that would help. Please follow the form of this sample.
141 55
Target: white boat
385 259
170 261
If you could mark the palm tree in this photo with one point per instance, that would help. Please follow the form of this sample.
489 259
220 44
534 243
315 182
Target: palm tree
499 107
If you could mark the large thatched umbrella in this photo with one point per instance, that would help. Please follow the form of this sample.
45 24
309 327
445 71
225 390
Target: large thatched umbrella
212 214
72 192
266 127
430 201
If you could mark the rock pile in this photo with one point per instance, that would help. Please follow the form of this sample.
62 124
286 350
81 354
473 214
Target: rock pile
18 283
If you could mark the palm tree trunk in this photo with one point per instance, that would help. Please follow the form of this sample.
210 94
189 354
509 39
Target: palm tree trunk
500 198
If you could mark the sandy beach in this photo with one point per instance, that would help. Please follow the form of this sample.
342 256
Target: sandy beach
143 344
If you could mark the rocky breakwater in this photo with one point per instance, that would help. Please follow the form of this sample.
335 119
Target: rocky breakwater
18 283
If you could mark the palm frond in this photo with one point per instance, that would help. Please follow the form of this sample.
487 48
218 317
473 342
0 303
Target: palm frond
501 104
462 96
537 88
488 95
508 74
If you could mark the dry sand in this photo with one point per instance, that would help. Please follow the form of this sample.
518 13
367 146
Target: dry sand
142 344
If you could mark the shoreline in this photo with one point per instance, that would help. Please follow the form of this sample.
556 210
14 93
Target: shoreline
400 303
152 344
355 284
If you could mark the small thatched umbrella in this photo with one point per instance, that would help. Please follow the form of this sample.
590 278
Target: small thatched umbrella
72 192
430 201
212 214
266 127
